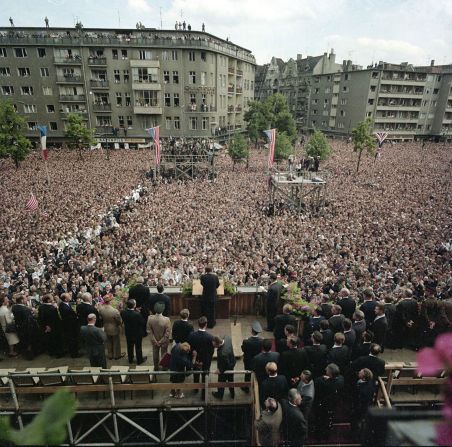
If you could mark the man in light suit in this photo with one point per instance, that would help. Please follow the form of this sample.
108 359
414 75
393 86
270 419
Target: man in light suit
112 325
159 329
94 340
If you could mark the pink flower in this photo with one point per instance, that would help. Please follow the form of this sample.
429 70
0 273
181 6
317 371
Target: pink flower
431 361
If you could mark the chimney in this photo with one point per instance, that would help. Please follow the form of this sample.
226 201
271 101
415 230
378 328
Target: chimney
344 65
432 62
299 56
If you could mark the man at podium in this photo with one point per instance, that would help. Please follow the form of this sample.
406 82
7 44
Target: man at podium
210 283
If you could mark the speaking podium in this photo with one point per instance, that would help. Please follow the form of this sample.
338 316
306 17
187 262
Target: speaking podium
193 302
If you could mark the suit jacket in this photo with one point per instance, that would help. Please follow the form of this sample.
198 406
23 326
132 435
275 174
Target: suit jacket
276 387
210 284
161 298
326 309
406 310
260 361
375 364
142 295
134 324
368 307
83 310
293 362
317 355
294 425
348 305
201 342
350 339
159 329
359 327
379 327
251 347
48 316
360 350
327 390
273 295
111 319
94 340
340 356
328 338
181 330
280 322
336 323
225 355
69 318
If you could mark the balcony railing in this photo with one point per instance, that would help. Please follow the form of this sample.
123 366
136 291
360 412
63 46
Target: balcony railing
231 70
97 61
102 107
83 114
239 72
200 109
70 79
68 60
78 98
239 90
99 83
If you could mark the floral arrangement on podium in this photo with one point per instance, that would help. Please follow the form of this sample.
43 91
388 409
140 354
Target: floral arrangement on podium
292 295
187 288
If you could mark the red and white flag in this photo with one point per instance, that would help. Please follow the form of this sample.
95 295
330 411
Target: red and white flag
154 133
271 135
43 133
32 204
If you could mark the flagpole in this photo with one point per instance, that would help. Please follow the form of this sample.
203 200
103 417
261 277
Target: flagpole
47 172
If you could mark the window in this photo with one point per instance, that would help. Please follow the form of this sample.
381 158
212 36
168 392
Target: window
103 121
174 55
41 52
117 76
121 120
177 122
129 121
346 77
124 54
205 123
29 108
31 125
369 114
127 98
203 56
316 90
3 52
370 101
165 55
166 76
342 112
167 100
44 72
193 123
126 75
114 54
176 102
168 123
53 125
373 88
27 90
23 72
145 55
20 52
435 91
50 108
192 98
118 99
175 77
203 78
345 89
4 71
47 91
192 77
191 56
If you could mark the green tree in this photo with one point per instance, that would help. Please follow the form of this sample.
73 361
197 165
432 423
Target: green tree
13 142
48 427
238 149
318 146
363 139
79 135
258 118
283 146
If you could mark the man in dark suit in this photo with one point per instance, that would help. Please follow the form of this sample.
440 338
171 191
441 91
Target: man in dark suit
274 385
327 334
85 308
142 296
50 324
293 361
182 328
363 348
294 425
251 347
201 342
368 307
359 324
210 284
273 295
339 354
94 340
347 303
225 362
281 344
349 333
406 321
337 319
27 328
161 297
371 361
135 330
379 327
282 320
69 324
260 360
317 354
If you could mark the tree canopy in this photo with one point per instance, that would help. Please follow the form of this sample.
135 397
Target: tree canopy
363 139
13 142
318 146
238 149
77 133
283 146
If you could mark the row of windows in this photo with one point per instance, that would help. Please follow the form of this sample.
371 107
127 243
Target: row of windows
32 125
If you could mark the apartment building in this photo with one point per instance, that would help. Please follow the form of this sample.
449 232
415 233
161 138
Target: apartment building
124 81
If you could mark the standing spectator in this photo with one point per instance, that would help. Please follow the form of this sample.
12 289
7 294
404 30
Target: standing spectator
359 324
371 361
363 348
336 320
431 316
317 354
135 330
406 321
94 340
181 361
274 385
273 296
390 309
368 307
281 344
210 284
182 328
269 424
349 334
339 354
70 325
27 328
282 320
363 395
250 348
50 324
306 389
7 320
85 308
142 296
112 326
347 303
261 360
161 297
293 361
379 327
294 425
312 325
327 334
159 329
225 362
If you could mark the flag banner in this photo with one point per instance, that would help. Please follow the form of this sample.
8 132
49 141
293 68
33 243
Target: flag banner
271 135
154 133
32 204
381 137
43 133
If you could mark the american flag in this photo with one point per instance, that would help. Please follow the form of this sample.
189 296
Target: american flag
271 135
381 136
32 204
154 133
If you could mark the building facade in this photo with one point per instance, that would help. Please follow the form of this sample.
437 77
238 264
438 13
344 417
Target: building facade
122 82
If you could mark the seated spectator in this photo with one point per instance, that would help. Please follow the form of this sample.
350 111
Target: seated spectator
268 426
282 320
261 360
274 385
371 361
339 354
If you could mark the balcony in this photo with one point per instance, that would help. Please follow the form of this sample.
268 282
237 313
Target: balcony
231 70
239 72
193 108
239 90
73 98
102 107
69 79
230 109
83 114
104 130
99 83
145 84
400 81
97 61
395 119
238 109
73 60
147 109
